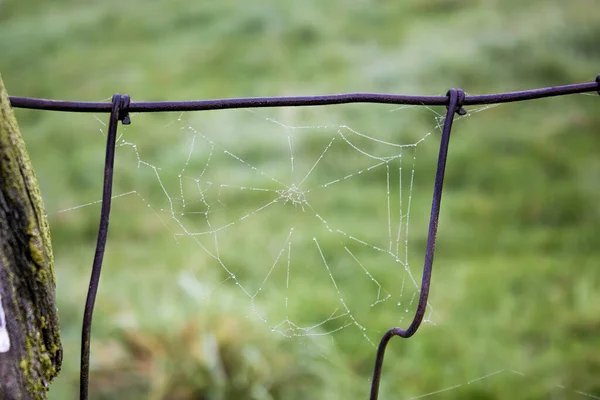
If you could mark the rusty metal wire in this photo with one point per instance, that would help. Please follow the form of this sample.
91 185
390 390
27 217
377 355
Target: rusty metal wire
121 106
261 102
455 102
116 114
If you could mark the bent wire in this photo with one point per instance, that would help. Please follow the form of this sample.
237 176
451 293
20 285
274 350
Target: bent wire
455 102
119 112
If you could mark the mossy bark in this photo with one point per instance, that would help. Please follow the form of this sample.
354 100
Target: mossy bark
30 348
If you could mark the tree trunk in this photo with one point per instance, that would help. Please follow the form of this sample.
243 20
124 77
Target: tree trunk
30 348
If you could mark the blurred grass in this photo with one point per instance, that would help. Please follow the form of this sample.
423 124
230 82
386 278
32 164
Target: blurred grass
516 283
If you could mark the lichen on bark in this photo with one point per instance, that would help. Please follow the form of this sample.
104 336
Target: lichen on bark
27 281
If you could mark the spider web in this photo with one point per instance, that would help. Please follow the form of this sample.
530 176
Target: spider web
312 224
223 191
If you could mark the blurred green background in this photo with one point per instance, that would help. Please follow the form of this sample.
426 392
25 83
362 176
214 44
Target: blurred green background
515 295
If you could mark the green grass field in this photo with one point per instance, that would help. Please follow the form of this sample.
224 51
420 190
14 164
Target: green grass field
208 293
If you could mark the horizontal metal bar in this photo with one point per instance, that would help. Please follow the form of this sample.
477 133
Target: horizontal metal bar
532 94
295 101
59 105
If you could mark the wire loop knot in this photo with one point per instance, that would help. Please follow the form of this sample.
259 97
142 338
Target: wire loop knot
124 110
460 99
